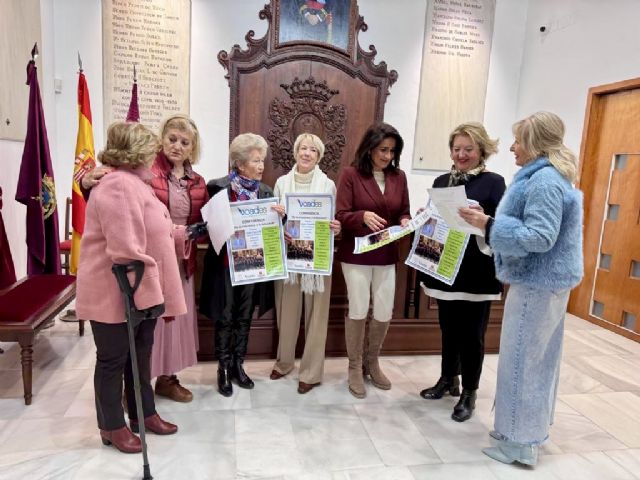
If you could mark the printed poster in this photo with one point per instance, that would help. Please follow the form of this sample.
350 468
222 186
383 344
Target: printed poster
437 250
311 247
256 249
388 235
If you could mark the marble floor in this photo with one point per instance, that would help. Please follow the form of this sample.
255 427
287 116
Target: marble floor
274 433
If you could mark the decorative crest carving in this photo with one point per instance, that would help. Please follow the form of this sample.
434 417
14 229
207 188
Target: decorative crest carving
308 111
309 88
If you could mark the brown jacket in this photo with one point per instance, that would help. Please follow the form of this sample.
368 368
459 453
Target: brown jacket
358 194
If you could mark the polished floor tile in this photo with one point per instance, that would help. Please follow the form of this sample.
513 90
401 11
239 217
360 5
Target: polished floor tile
273 433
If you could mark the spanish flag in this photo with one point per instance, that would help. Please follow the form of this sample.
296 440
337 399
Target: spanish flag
84 162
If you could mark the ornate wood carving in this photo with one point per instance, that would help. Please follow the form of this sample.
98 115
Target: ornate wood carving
307 110
265 54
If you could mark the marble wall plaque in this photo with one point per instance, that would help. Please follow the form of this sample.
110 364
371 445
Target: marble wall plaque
155 36
455 69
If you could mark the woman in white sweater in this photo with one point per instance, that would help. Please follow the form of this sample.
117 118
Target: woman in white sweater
304 177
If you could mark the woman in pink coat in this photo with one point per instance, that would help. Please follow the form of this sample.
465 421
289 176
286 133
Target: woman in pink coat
124 222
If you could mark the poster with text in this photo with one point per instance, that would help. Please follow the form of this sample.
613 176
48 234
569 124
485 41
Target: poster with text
311 246
437 250
256 249
383 237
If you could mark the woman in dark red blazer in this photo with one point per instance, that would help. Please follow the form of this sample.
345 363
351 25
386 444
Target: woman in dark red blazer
372 195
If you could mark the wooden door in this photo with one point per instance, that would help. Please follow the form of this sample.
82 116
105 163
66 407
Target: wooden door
609 294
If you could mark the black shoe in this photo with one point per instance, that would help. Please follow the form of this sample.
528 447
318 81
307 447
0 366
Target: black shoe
464 408
444 384
240 376
224 381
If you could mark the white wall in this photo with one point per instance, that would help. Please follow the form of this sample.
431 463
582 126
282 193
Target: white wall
584 46
14 213
586 43
396 32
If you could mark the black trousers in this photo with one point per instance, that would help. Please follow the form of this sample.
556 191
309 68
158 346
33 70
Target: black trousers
232 329
463 325
112 362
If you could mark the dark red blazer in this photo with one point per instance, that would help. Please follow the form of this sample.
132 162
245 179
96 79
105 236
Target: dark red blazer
357 194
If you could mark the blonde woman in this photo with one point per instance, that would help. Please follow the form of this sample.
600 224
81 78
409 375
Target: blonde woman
126 222
184 193
464 307
536 237
304 177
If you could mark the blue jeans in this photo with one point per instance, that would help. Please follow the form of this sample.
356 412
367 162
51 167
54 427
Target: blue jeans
529 363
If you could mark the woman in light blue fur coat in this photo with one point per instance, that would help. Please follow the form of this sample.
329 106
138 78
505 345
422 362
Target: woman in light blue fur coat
536 237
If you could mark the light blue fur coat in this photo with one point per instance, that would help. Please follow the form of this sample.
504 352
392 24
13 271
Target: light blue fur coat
537 233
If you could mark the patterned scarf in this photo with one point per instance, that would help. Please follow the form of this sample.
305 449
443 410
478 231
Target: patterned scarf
457 177
244 188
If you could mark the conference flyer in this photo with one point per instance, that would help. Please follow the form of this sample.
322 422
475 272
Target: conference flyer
310 249
256 248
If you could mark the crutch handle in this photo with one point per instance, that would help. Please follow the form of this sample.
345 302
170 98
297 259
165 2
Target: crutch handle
121 270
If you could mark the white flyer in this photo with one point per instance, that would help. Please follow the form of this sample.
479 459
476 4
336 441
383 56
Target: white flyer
447 202
256 249
311 246
217 213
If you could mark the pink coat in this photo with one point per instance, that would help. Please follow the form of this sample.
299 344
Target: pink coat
125 221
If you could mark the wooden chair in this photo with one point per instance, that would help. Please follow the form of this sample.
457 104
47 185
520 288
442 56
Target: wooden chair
65 245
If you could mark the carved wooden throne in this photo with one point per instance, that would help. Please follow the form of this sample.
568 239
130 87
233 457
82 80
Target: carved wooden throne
279 90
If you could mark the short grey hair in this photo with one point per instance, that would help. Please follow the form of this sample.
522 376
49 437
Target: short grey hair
242 146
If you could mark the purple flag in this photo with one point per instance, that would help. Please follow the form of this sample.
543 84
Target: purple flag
7 272
36 187
133 115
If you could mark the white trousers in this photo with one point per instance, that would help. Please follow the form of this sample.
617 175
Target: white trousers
361 281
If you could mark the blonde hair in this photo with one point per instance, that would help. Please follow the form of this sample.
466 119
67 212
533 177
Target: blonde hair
314 139
129 144
541 134
183 123
242 146
478 135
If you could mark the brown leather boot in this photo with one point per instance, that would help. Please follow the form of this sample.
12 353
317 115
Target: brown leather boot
354 337
123 439
170 387
153 423
377 333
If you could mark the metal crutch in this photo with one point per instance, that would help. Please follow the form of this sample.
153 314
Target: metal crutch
134 318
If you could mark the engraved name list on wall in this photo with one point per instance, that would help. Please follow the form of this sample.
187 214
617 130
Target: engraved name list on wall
455 69
153 35
456 28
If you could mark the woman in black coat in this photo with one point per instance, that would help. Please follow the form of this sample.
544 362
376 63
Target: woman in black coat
231 308
463 308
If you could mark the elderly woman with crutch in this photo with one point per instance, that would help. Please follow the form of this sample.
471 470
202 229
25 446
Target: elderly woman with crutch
126 222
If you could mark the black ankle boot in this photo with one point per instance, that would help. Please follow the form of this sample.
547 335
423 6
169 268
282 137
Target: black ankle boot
240 375
224 381
464 408
444 384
